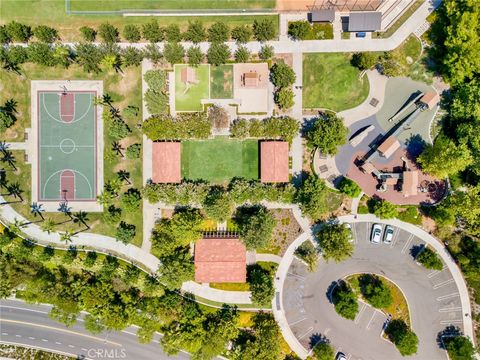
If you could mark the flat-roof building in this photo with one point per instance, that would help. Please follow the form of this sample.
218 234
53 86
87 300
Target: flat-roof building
365 21
220 260
430 99
410 183
325 15
274 166
166 164
389 146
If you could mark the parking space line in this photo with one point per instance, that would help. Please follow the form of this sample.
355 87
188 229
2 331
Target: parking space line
450 309
297 321
443 283
310 329
449 296
449 322
435 273
359 315
368 226
370 322
407 244
296 276
395 237
354 231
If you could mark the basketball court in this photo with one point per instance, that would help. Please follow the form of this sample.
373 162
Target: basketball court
67 126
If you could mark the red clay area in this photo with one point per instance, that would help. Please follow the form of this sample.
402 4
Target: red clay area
370 184
274 161
67 185
166 165
67 107
220 260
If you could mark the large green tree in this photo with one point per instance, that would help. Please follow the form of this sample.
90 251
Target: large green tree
327 134
176 268
460 348
335 242
282 75
312 197
404 339
345 301
255 226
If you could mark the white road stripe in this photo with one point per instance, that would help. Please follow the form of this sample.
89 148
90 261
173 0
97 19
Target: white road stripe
4 334
407 244
359 315
370 322
58 343
368 235
71 346
449 296
434 273
297 321
450 309
31 338
446 282
19 336
395 238
44 340
296 276
448 322
310 329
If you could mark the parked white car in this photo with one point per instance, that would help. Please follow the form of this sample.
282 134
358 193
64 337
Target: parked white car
388 234
376 236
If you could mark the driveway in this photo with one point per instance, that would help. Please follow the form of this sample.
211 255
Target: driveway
433 299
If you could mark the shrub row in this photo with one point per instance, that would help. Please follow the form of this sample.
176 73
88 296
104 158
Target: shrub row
272 128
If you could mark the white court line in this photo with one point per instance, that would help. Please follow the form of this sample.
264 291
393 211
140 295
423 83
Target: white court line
450 309
58 146
446 282
407 244
370 322
449 296
359 315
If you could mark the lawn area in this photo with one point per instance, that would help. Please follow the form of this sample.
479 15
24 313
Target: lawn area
123 89
399 307
221 82
188 96
115 5
331 82
219 159
52 12
231 286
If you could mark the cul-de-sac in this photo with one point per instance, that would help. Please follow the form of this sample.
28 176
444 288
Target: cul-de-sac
240 179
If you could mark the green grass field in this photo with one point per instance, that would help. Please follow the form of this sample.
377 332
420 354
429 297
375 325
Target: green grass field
188 96
219 159
52 12
221 82
115 5
331 82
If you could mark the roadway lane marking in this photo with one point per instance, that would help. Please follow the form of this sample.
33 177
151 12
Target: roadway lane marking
44 340
20 308
449 296
370 322
450 309
4 334
359 315
58 343
19 336
62 330
83 349
443 283
407 244
71 346
31 338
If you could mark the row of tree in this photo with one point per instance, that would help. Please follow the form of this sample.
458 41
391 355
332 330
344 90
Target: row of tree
116 296
196 32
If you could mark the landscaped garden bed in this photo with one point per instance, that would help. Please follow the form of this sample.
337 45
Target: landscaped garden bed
286 231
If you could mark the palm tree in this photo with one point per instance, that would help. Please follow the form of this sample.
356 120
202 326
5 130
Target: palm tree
3 146
114 186
3 179
10 106
48 226
9 159
36 209
115 113
81 217
64 208
17 225
124 175
15 191
116 147
66 236
105 198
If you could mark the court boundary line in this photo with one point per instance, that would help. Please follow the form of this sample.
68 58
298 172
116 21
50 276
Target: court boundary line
75 172
40 194
59 120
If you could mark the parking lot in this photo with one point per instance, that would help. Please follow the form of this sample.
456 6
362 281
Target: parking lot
432 296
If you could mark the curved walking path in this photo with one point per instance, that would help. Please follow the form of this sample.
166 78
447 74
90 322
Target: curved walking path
277 303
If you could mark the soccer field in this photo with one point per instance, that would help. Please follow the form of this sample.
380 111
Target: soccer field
219 159
67 146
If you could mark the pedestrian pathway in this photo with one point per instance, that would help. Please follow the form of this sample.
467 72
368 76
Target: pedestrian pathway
296 150
17 145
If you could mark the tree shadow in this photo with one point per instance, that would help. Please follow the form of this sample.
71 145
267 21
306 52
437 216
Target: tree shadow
331 288
416 250
316 339
449 331
415 145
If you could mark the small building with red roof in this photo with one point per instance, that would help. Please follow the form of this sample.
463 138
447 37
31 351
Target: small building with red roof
166 165
274 167
220 260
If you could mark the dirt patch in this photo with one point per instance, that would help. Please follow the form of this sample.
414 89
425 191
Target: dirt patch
286 231
287 58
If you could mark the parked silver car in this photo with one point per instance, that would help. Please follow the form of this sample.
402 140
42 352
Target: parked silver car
376 236
388 234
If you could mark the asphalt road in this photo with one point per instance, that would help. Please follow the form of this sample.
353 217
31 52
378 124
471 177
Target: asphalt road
30 326
432 296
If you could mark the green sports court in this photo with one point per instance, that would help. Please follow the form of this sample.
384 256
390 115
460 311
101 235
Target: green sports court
67 145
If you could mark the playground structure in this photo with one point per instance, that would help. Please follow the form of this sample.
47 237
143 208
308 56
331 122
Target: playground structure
406 179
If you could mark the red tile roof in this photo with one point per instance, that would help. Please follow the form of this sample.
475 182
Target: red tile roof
389 146
166 162
274 161
220 260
